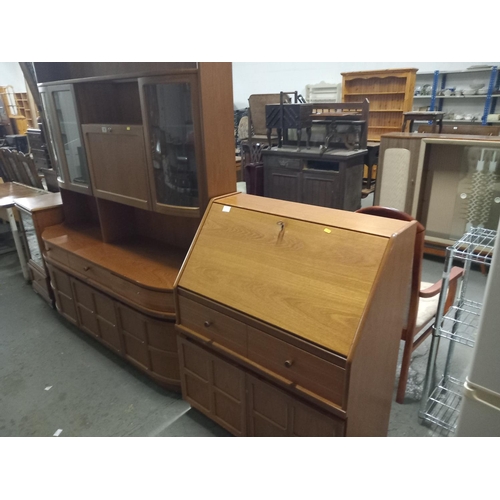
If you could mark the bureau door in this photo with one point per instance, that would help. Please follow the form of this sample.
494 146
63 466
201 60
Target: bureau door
273 413
63 292
213 386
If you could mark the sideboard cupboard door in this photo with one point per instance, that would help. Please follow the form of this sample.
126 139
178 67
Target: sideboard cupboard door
172 142
322 188
213 386
97 316
283 184
63 292
150 344
117 163
273 413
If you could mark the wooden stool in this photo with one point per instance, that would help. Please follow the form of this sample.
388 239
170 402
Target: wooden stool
436 117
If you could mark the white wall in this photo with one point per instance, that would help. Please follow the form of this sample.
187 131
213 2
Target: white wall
11 74
268 77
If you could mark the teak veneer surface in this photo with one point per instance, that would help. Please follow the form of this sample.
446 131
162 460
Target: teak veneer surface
310 279
37 203
11 191
140 261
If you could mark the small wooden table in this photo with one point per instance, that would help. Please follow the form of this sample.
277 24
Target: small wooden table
9 193
436 117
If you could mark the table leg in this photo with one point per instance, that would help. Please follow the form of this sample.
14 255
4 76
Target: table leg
18 243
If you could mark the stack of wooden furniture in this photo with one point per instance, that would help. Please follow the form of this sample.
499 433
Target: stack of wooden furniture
289 317
141 148
330 172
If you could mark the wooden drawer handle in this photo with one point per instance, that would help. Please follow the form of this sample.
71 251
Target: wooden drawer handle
288 363
207 323
86 268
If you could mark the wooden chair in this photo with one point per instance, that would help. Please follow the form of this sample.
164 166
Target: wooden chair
28 165
15 171
423 300
20 168
257 130
5 170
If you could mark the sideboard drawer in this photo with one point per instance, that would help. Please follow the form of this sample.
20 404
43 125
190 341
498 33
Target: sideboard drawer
213 325
86 268
56 253
150 299
300 367
283 162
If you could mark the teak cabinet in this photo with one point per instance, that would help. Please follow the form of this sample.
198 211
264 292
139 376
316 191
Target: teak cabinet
158 141
390 93
37 213
289 317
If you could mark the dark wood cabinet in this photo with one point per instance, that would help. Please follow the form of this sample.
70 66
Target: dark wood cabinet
332 180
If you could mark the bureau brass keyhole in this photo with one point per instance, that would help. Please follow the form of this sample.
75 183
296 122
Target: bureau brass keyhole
288 363
207 324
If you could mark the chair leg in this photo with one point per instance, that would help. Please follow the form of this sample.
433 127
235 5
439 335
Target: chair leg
405 368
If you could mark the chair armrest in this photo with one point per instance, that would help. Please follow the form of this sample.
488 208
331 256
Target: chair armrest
455 274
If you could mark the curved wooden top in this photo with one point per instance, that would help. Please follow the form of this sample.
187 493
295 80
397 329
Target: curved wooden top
145 262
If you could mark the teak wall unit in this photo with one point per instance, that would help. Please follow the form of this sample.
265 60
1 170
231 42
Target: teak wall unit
439 190
141 149
390 93
289 317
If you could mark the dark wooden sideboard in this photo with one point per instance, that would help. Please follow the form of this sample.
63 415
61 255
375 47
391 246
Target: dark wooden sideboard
333 179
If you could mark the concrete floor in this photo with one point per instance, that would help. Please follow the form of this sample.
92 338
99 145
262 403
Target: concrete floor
93 392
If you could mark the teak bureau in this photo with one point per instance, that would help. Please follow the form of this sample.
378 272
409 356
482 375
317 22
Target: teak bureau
289 317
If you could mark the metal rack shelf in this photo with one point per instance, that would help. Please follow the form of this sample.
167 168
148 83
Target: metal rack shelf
461 322
475 246
443 404
440 405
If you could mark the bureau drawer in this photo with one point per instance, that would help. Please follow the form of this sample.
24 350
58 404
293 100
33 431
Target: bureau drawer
296 365
56 253
150 299
213 325
283 162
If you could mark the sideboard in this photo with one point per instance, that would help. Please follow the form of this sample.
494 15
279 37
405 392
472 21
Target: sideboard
333 179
